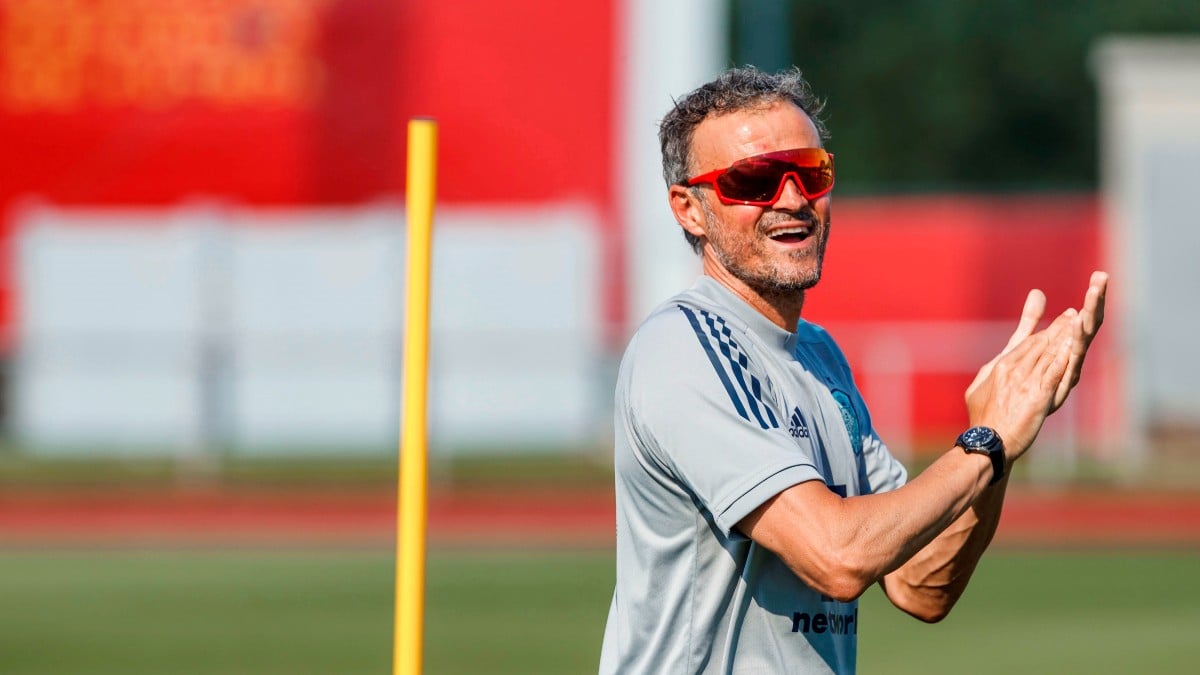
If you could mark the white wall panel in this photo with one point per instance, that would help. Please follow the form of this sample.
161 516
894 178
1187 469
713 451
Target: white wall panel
110 328
275 331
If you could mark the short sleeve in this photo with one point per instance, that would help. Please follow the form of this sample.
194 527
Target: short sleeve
704 410
881 471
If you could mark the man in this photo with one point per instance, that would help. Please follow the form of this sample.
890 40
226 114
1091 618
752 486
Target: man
755 502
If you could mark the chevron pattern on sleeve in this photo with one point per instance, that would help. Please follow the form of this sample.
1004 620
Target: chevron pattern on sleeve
731 365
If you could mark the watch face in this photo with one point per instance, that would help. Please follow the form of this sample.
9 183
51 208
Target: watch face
978 437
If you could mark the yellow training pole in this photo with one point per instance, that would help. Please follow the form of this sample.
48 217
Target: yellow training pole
411 499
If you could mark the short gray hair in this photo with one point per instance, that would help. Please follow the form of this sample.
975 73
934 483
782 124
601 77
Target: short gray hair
735 90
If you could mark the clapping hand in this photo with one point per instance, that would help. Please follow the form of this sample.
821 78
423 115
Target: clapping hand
1035 372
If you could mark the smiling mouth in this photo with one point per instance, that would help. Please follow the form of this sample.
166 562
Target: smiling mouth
792 234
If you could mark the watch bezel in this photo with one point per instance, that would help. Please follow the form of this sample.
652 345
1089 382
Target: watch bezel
979 437
985 441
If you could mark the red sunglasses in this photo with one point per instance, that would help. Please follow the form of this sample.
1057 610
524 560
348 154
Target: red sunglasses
759 180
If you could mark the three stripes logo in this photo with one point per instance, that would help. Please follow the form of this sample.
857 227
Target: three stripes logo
732 367
799 428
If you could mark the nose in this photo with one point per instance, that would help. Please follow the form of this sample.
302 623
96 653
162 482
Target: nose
790 198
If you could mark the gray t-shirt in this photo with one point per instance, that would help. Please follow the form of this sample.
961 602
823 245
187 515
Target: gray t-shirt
717 411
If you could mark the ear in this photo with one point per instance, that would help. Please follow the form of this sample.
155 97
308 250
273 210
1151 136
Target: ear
685 206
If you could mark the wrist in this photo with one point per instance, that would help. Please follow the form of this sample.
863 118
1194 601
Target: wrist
986 441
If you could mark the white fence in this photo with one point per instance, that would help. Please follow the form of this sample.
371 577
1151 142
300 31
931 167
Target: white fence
147 331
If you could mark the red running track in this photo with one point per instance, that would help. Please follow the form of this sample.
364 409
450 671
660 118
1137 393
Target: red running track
502 518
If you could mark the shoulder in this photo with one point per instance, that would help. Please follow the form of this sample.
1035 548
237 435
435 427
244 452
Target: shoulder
807 331
678 335
817 339
690 350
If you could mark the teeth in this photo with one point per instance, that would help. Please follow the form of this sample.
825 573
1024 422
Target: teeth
790 230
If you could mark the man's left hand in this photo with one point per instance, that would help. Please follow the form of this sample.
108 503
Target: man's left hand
1091 315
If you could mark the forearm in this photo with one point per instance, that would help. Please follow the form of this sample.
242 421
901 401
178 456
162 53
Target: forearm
932 581
848 544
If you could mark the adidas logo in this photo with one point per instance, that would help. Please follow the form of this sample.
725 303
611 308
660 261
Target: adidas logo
799 428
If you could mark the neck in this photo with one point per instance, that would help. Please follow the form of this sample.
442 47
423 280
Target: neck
781 307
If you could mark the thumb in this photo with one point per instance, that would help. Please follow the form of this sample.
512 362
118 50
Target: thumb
1031 314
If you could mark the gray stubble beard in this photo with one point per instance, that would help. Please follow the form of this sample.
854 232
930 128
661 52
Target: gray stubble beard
774 281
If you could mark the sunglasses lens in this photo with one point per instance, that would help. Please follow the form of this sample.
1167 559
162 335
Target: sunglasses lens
816 179
758 179
752 180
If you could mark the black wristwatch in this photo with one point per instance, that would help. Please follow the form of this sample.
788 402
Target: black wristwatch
985 441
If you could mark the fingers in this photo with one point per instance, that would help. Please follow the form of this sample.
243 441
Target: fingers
1060 353
1091 316
1093 304
1053 377
1021 387
1070 374
1044 356
1029 350
1031 314
1055 354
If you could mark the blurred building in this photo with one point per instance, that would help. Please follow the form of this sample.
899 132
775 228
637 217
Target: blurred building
204 216
204 229
1150 96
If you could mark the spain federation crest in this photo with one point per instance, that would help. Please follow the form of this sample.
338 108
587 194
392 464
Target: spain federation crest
850 419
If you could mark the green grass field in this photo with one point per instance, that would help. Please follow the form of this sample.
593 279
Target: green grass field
299 612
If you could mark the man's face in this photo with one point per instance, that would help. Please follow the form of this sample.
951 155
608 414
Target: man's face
759 245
